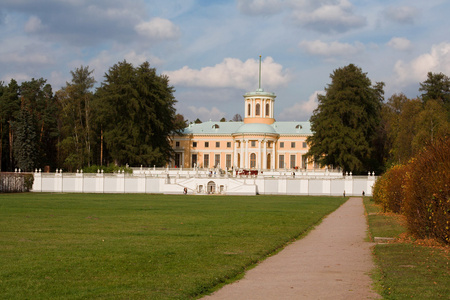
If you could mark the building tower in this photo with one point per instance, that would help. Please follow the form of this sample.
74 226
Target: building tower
259 105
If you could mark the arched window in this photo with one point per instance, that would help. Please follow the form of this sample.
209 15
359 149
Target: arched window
249 109
253 160
267 109
257 109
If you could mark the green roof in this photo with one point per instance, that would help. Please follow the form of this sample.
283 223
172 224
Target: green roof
229 128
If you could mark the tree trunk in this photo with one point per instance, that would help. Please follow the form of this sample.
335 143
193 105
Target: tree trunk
10 147
101 147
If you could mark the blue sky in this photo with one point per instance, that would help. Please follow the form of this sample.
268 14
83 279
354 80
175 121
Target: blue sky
210 49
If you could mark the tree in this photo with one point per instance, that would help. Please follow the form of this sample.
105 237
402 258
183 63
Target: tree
345 123
136 114
436 87
75 102
180 122
37 97
9 108
237 118
25 143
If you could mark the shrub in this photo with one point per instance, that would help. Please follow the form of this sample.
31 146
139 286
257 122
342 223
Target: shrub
427 192
388 190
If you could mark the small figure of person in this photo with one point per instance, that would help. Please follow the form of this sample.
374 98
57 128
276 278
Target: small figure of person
185 191
363 193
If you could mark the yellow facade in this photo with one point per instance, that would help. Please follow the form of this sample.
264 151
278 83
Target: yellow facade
257 143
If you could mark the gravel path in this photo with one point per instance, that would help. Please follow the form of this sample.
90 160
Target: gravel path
332 262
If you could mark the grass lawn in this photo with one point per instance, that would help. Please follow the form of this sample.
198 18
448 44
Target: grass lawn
83 246
406 270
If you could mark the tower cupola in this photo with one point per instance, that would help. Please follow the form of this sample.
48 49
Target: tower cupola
259 104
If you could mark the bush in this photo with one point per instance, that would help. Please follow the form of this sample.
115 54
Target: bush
427 192
388 190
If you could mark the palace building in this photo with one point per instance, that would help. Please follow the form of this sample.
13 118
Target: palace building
257 143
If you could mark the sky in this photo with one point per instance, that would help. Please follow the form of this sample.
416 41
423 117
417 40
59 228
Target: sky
210 49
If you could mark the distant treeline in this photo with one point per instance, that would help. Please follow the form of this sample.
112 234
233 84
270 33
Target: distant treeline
126 120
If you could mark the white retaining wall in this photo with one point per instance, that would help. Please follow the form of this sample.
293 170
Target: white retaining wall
203 184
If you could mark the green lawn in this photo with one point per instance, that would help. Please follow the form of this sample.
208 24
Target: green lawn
406 270
83 246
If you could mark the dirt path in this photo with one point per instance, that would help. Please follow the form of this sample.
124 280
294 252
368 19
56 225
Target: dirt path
332 262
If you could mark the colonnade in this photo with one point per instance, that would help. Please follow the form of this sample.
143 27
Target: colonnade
242 156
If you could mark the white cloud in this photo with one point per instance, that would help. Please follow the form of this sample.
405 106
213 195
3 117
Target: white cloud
438 60
320 48
158 29
259 7
327 16
301 111
26 58
401 14
400 43
34 24
137 59
205 114
232 73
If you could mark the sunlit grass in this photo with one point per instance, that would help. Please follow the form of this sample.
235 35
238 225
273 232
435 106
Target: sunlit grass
406 270
84 246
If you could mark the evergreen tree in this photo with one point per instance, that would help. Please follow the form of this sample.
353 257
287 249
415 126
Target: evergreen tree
345 123
37 97
437 87
136 114
9 109
25 142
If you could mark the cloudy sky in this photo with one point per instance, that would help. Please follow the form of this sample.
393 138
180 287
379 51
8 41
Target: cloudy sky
210 49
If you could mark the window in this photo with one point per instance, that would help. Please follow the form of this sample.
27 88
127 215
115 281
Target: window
177 144
253 160
177 160
281 144
194 160
257 109
293 161
281 161
316 162
206 160
215 126
206 144
292 144
249 109
228 144
217 144
304 162
194 144
253 144
228 160
304 144
267 109
217 160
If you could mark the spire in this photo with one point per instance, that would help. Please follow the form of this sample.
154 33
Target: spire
259 73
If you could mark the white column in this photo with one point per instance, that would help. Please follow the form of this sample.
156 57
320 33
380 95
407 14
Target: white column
273 155
265 155
246 155
241 163
259 159
234 153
